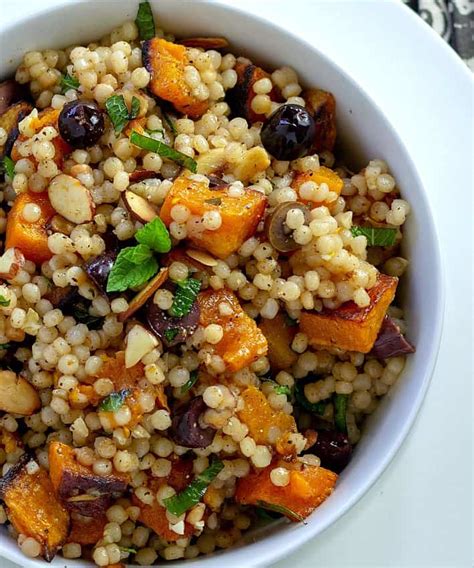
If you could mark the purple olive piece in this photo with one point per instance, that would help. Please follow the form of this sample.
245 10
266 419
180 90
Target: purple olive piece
81 124
62 298
185 428
169 329
11 92
98 269
390 341
333 449
288 133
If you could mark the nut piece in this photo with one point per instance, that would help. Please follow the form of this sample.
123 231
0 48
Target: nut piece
139 342
17 395
10 263
202 257
142 296
139 208
255 161
211 162
71 199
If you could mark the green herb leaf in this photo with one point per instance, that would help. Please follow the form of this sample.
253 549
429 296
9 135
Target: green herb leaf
193 377
340 410
126 274
264 515
4 345
7 165
144 21
69 82
138 254
376 236
126 549
180 503
280 509
4 303
214 201
282 389
114 401
184 296
315 408
170 334
118 112
169 122
147 143
155 235
290 322
135 108
81 314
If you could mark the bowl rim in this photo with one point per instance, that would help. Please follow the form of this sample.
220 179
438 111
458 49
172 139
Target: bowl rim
262 554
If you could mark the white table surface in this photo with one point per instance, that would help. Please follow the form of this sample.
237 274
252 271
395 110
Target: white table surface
419 513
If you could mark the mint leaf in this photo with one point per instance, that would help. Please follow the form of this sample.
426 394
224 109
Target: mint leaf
125 274
282 389
170 334
4 303
134 109
117 111
69 82
280 509
193 377
144 21
169 122
114 401
340 410
8 166
376 236
137 255
7 345
162 149
184 296
155 235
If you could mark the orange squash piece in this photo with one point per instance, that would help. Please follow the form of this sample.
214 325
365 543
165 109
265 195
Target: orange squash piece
113 368
350 327
279 337
322 105
47 117
323 175
32 507
166 62
87 530
30 238
242 342
266 426
154 517
309 486
240 215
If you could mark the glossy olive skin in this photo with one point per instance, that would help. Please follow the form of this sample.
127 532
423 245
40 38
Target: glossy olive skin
98 269
160 322
288 133
333 449
185 428
81 124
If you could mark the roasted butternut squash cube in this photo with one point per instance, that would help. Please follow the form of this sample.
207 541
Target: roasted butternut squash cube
279 336
87 530
266 426
241 96
322 106
309 486
350 327
113 368
154 517
30 238
32 507
81 490
242 342
323 175
240 215
166 62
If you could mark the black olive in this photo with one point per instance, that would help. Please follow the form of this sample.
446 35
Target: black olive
172 330
185 428
81 124
333 449
288 133
276 230
98 269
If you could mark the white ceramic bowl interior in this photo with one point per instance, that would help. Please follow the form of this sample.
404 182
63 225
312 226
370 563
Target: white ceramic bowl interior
365 133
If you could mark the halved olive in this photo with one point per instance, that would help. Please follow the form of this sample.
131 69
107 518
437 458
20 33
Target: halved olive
276 229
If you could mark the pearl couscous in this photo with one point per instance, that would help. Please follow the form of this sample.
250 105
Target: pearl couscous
195 297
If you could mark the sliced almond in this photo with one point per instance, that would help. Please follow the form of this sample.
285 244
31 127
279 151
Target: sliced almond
140 175
17 395
139 343
139 208
202 257
144 294
211 162
255 161
71 199
32 322
11 261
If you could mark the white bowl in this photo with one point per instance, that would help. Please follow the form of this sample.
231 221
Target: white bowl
365 133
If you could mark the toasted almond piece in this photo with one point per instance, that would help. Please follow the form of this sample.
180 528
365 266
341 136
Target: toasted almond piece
32 322
10 263
71 199
202 257
139 342
139 175
139 208
255 160
144 294
17 395
205 42
211 162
